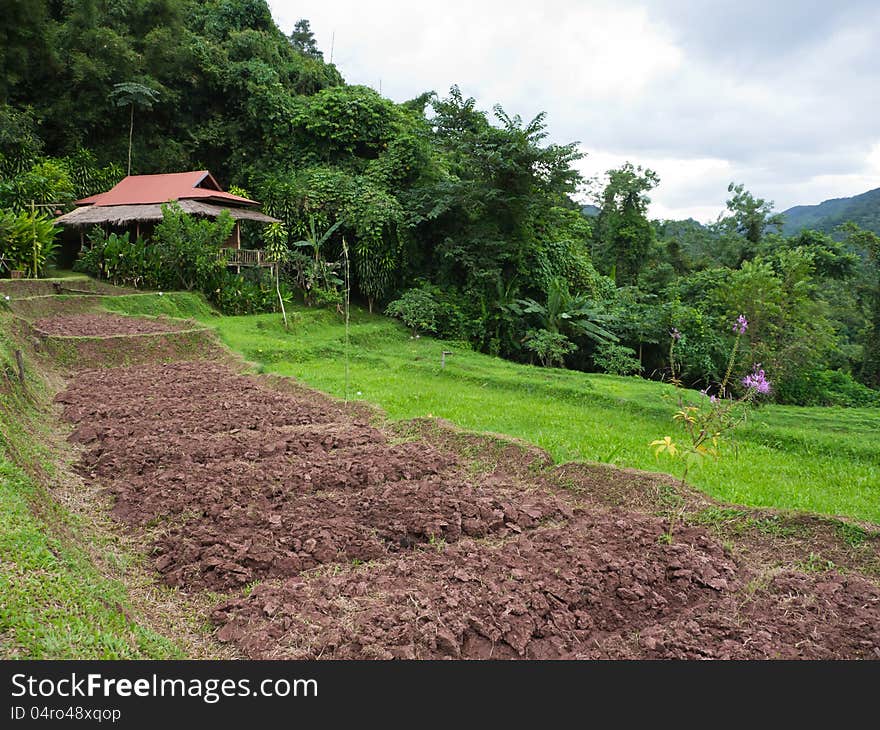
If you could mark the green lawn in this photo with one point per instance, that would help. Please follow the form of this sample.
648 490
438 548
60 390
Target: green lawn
824 460
56 605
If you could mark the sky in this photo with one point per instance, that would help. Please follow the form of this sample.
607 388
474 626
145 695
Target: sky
781 95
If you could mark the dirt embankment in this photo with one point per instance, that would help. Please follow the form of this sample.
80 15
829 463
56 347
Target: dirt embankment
106 325
335 541
88 339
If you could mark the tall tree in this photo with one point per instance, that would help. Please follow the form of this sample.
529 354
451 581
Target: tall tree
132 94
625 235
750 217
303 40
482 210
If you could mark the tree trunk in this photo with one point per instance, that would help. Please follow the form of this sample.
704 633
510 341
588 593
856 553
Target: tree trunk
130 134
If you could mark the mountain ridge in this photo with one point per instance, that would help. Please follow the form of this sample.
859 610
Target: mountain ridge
863 209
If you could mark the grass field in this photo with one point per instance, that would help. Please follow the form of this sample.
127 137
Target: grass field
824 460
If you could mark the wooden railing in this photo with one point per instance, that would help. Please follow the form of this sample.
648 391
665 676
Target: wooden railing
244 257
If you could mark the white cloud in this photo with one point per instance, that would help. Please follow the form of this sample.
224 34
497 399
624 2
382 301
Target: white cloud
874 159
509 51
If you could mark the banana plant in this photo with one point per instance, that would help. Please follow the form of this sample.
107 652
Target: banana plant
28 241
320 274
566 313
275 238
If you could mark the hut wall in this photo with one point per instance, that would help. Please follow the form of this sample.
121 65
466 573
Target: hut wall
234 240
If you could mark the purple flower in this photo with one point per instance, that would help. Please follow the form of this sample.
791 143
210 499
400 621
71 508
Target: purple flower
757 380
741 325
712 398
675 334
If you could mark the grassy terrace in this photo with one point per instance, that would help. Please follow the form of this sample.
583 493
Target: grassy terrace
824 460
55 604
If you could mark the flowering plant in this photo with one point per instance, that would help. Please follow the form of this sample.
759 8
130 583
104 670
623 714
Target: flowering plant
708 423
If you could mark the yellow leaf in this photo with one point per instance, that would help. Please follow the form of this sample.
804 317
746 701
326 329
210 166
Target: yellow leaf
665 444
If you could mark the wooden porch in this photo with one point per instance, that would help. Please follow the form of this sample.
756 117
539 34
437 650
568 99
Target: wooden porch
247 257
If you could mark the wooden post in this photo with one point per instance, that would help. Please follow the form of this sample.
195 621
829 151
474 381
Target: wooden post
443 359
34 233
20 362
238 244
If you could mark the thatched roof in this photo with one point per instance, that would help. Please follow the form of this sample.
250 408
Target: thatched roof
117 215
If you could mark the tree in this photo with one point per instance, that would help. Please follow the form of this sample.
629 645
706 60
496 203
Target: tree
481 205
132 94
303 40
187 249
625 235
315 275
750 217
19 143
831 260
868 243
789 331
23 39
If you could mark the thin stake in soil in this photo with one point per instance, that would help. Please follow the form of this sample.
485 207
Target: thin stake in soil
277 268
347 302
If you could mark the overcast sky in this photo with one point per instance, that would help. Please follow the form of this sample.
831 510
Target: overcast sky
783 96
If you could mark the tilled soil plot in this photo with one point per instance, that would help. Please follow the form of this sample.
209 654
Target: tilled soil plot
602 587
368 548
105 325
255 483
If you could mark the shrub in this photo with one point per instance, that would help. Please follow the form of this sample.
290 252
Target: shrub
616 359
119 260
27 241
184 253
418 309
550 347
45 183
826 388
236 294
187 249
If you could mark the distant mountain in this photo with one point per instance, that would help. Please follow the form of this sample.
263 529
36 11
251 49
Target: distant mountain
862 209
591 211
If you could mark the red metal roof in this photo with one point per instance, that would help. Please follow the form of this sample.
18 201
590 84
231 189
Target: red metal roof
145 189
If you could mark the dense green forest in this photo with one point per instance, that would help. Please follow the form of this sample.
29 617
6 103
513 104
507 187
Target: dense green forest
463 223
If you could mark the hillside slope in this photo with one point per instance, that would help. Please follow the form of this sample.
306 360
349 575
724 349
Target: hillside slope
862 209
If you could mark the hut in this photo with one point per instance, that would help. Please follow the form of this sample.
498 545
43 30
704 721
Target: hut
135 205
